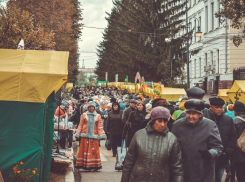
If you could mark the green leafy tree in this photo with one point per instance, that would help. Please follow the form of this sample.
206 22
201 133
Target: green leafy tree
63 17
18 24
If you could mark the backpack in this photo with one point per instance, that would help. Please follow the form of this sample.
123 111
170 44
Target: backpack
241 140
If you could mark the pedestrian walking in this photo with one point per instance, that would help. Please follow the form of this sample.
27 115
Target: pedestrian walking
127 111
200 143
105 117
154 153
134 122
115 127
228 136
90 130
239 156
197 93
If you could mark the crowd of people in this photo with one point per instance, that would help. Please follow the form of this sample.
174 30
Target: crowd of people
184 141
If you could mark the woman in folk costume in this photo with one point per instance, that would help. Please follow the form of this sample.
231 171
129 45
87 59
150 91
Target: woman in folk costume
90 130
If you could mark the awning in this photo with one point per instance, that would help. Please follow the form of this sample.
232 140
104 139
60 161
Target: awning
31 76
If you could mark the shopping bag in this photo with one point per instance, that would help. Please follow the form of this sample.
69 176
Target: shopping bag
108 144
121 153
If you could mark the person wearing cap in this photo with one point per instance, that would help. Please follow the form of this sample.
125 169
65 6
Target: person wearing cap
90 130
128 110
154 153
197 93
200 143
228 135
147 100
238 155
105 117
230 111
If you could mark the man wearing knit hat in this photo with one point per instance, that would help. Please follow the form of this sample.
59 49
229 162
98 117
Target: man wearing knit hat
197 93
239 156
200 143
227 133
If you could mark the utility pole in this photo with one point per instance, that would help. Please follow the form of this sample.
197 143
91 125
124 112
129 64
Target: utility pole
187 47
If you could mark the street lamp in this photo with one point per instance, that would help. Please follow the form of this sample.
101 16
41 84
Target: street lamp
198 32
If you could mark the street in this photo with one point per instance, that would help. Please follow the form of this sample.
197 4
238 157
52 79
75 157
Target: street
107 173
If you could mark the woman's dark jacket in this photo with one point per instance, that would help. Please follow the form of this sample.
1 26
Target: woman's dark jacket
153 157
114 123
135 121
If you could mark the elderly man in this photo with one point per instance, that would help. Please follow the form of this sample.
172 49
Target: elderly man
198 93
227 133
200 143
127 111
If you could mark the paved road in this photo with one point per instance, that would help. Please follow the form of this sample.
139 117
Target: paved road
107 173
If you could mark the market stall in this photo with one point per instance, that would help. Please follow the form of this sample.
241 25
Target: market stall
222 93
28 81
237 91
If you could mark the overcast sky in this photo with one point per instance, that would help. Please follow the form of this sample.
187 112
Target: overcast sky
93 16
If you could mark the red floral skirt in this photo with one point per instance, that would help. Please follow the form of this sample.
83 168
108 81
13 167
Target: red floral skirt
88 157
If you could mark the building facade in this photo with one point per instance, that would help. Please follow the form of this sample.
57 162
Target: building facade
213 57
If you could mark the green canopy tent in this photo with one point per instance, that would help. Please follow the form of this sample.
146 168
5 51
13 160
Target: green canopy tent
28 81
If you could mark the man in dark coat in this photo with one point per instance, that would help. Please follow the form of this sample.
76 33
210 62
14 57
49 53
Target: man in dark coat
227 133
238 155
200 143
127 111
197 93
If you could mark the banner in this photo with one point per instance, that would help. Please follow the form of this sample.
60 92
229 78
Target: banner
116 78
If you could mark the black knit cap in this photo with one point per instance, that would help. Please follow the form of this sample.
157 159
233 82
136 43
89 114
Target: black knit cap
194 105
195 92
216 101
239 107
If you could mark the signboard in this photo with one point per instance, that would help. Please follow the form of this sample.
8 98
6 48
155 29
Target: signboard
116 78
106 76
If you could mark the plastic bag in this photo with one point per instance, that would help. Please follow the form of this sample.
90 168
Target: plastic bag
108 144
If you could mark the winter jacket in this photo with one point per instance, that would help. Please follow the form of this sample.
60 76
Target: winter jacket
126 114
106 112
60 112
239 157
228 137
90 126
204 135
206 113
114 123
122 106
153 157
231 114
134 125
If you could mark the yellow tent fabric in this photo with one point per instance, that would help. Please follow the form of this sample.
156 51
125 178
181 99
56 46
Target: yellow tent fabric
237 91
69 86
172 94
222 93
31 76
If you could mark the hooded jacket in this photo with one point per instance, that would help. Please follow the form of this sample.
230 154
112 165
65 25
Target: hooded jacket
153 157
91 126
114 121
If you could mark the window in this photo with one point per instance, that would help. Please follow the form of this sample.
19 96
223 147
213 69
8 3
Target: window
195 68
212 16
190 3
212 58
206 18
194 2
200 65
206 59
217 65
